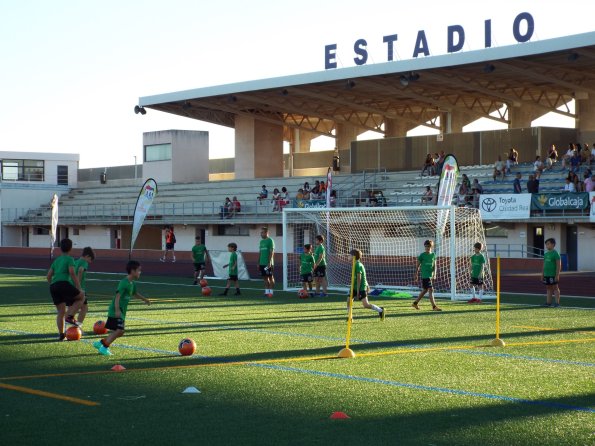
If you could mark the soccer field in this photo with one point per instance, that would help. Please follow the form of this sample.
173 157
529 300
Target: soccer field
267 370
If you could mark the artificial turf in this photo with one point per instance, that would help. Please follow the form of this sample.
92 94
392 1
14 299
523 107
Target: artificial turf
268 374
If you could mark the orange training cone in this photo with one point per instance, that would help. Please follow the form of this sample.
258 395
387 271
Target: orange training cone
339 416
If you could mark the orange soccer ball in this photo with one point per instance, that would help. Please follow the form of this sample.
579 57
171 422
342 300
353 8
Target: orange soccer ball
73 333
303 294
203 283
99 328
186 347
206 291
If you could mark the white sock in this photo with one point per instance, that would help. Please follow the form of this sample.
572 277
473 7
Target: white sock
376 308
481 293
473 292
266 291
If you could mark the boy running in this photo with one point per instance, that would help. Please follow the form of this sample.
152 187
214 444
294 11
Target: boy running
477 269
233 269
552 265
426 263
360 286
306 267
80 268
320 266
200 254
266 261
65 288
116 313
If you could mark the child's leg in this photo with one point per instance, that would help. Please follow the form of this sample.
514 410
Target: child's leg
548 299
318 279
112 337
421 295
557 294
61 311
473 292
76 305
431 296
226 288
324 284
310 286
481 287
237 285
370 306
83 312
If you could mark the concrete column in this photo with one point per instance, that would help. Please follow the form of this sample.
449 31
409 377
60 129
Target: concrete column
396 128
345 133
302 141
585 122
455 120
259 149
521 117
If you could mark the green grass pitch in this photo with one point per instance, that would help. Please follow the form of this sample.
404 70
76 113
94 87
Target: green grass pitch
268 374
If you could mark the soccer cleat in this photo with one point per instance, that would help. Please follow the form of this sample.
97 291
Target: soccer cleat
382 314
97 344
237 293
472 300
224 293
105 351
414 305
556 305
312 294
195 282
71 321
61 337
546 305
435 308
162 259
173 260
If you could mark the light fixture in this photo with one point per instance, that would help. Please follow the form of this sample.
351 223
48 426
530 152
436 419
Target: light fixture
138 109
573 56
284 92
404 80
350 84
186 105
232 98
488 68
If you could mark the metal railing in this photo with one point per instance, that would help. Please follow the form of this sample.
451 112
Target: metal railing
519 250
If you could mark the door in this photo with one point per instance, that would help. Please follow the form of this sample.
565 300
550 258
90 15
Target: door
572 247
63 175
538 241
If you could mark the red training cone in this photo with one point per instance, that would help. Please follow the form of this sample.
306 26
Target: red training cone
118 368
339 416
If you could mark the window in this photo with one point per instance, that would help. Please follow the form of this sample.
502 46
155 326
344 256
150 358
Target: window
42 230
158 152
242 230
496 231
23 170
63 175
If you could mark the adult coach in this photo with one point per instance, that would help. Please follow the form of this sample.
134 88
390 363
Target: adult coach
265 261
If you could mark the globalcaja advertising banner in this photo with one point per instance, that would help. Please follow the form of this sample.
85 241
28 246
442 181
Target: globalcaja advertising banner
504 206
559 201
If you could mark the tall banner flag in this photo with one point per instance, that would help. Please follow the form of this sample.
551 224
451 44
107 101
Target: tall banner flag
446 190
53 224
143 203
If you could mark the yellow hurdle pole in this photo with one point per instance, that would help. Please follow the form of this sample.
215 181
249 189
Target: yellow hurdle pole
498 342
347 352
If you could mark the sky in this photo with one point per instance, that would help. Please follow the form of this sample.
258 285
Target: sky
72 71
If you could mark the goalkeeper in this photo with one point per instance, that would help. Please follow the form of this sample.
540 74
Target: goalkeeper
426 263
360 286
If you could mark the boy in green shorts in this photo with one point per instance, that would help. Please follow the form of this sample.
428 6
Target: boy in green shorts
200 254
552 265
116 313
80 268
65 288
233 269
477 268
306 267
320 266
360 286
426 263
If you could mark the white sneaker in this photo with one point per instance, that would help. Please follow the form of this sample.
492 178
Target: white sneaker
173 260
162 259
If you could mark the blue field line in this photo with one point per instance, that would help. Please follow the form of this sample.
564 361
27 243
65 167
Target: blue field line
527 358
351 377
421 387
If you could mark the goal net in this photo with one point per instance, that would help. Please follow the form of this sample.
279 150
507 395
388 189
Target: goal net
390 239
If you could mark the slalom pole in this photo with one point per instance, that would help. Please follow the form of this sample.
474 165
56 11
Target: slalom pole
347 352
498 342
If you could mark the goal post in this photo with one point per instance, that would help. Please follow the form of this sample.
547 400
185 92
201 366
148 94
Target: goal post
391 239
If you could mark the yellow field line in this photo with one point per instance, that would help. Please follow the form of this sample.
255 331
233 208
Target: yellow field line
530 327
298 359
55 396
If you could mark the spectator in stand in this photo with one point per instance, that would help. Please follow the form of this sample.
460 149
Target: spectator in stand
306 187
592 159
306 195
517 184
315 192
476 191
224 210
300 194
264 194
533 185
428 196
552 157
322 189
513 156
464 192
538 167
372 200
567 156
585 154
333 198
469 193
569 186
575 162
284 198
236 207
574 179
275 199
498 169
428 165
589 183
440 162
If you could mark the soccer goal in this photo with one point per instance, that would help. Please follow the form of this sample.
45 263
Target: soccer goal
390 239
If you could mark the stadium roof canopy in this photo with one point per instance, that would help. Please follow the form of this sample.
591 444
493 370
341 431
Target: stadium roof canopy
544 74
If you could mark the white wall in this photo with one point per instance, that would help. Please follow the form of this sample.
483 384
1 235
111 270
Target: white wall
586 248
97 237
51 163
160 171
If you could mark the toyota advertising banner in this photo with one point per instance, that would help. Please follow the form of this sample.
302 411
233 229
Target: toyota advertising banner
504 206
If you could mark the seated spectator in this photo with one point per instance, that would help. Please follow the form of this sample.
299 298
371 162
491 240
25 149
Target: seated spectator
464 192
428 165
283 198
300 194
224 210
275 199
589 184
315 192
513 156
552 157
469 193
567 156
538 167
476 191
533 185
428 196
440 162
306 187
575 162
372 200
569 186
306 195
498 169
585 155
516 184
264 193
380 198
236 207
574 179
322 188
333 198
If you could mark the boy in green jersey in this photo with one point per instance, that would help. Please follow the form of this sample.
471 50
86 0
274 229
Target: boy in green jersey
116 313
477 268
65 288
320 266
552 264
266 261
233 269
306 267
360 285
80 268
200 254
426 263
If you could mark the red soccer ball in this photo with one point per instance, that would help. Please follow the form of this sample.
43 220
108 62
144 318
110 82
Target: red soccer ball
186 347
99 328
